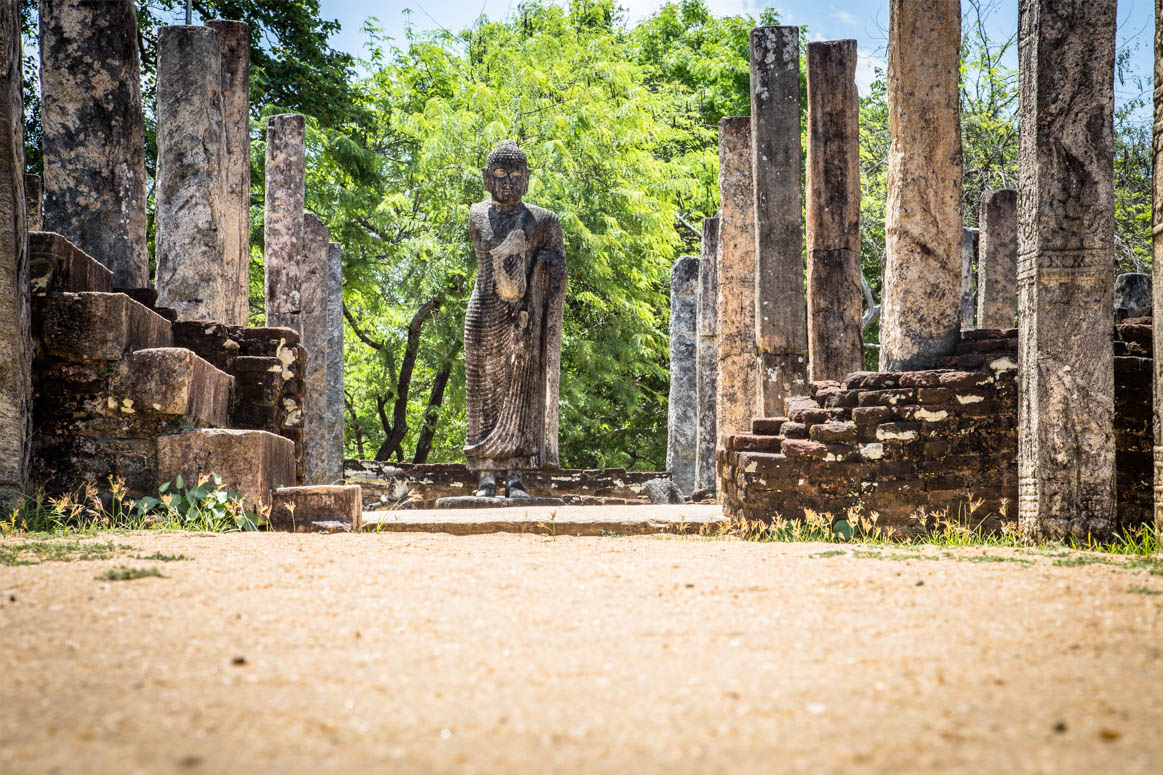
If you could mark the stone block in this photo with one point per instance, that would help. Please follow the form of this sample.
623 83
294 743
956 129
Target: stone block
308 509
171 381
252 463
767 426
55 264
97 326
834 431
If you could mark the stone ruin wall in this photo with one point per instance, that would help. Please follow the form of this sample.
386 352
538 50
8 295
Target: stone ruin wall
940 442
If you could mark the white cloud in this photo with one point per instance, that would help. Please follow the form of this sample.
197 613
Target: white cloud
843 17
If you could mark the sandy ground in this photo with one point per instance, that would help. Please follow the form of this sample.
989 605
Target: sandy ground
516 654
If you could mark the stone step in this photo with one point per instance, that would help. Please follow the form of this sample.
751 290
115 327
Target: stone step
749 442
252 463
171 381
55 264
96 326
551 520
329 508
767 426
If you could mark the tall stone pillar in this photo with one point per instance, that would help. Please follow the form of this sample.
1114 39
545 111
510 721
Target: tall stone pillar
333 414
234 47
920 308
737 392
1157 266
283 221
15 306
313 321
969 266
835 338
997 263
708 354
1066 450
34 202
780 313
193 276
682 420
94 133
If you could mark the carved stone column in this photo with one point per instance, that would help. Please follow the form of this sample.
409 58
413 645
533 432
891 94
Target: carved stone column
737 391
94 133
34 199
1066 444
920 311
15 311
313 291
683 408
234 45
283 222
835 340
997 265
970 239
780 312
333 413
193 276
708 354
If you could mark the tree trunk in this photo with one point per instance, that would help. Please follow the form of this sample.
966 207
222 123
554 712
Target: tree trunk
432 413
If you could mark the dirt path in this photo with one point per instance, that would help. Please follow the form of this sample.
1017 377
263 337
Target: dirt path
511 653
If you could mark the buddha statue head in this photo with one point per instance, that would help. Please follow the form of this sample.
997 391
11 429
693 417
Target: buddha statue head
506 173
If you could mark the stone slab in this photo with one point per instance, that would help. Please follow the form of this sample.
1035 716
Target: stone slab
55 264
321 507
97 326
252 463
479 502
560 521
171 381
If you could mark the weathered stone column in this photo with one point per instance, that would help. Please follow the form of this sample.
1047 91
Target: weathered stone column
780 312
682 420
1066 450
835 340
920 310
708 354
333 415
34 202
970 239
94 133
193 276
283 221
234 46
1133 295
737 391
997 264
313 291
1157 266
15 310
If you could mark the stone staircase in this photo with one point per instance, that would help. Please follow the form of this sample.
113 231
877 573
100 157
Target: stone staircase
114 397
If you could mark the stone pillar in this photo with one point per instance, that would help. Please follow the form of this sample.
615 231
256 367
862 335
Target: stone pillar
15 305
708 354
682 420
736 390
333 415
997 264
313 319
234 47
1132 296
781 327
193 276
835 337
34 202
969 244
283 221
94 133
1066 450
1157 267
920 310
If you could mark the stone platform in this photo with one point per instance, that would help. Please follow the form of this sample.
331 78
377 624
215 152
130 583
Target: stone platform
483 502
550 520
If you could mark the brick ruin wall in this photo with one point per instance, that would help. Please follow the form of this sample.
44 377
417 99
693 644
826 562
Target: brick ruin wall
417 486
914 445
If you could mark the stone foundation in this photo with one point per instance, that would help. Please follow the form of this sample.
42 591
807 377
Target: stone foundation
408 486
914 445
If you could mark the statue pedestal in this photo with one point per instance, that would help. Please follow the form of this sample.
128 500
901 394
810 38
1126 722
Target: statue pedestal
476 502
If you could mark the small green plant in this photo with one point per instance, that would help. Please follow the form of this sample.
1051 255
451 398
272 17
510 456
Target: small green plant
1144 591
162 557
551 527
36 552
126 573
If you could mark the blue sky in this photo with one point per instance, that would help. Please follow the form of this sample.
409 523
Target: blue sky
864 20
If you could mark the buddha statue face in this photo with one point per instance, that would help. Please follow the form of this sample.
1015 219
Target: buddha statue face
506 175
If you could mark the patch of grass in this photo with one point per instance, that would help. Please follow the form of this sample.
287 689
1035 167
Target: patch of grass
829 553
36 552
1079 560
126 573
1144 591
993 558
610 534
161 557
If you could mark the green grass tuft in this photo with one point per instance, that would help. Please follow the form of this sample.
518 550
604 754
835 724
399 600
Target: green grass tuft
125 573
